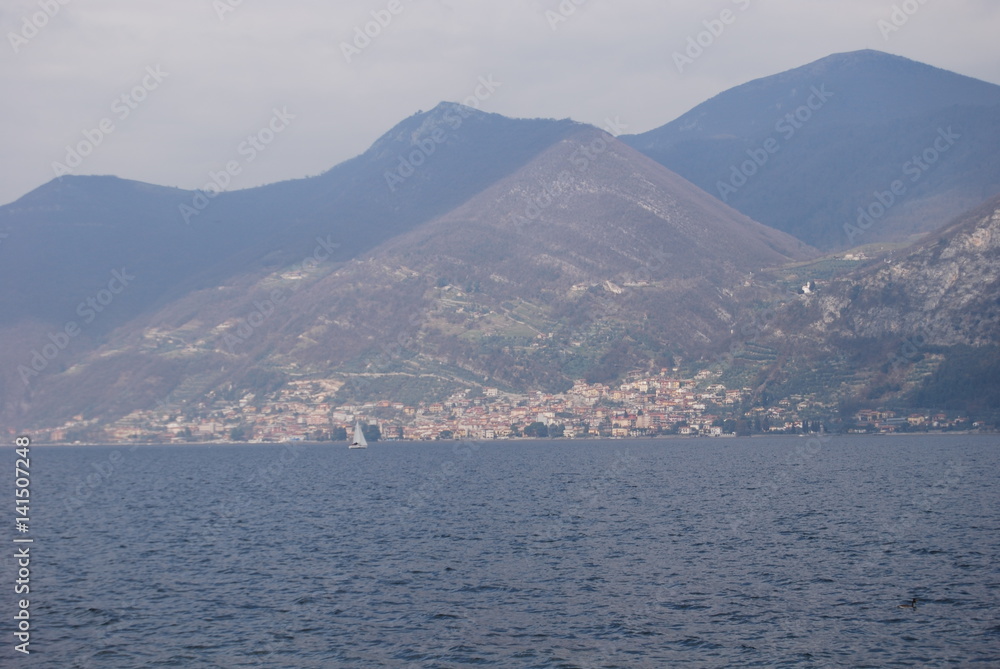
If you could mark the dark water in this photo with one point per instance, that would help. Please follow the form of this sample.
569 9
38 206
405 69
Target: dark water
701 553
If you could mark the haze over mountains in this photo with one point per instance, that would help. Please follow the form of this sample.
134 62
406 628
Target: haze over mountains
468 248
824 138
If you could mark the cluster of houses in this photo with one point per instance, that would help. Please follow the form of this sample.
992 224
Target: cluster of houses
644 405
888 422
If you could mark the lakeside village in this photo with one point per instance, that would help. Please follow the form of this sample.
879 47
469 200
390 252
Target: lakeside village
643 406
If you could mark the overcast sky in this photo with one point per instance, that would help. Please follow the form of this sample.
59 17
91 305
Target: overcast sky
199 76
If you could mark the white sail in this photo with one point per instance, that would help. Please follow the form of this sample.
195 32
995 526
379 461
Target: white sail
359 437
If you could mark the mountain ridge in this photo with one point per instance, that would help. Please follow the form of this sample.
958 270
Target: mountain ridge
468 248
775 150
622 246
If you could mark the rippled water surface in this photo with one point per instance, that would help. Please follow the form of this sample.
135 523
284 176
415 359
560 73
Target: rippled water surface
701 553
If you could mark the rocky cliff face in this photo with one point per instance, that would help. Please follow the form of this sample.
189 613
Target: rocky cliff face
946 290
918 327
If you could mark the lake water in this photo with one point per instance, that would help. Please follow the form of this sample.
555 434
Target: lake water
763 552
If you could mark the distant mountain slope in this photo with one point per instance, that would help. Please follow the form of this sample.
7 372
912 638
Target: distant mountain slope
593 207
65 237
918 328
425 166
801 151
469 249
619 261
63 241
945 291
586 261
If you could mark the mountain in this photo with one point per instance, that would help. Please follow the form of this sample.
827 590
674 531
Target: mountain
63 242
919 327
69 234
803 150
944 291
587 260
590 259
465 250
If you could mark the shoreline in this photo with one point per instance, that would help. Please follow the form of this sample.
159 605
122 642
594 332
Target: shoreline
666 437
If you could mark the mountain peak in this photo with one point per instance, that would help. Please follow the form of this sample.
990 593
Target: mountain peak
847 123
859 82
449 123
445 107
87 190
898 74
864 56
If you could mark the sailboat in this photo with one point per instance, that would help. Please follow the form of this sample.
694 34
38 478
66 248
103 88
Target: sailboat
359 437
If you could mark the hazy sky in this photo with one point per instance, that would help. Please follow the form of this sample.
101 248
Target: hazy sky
165 91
